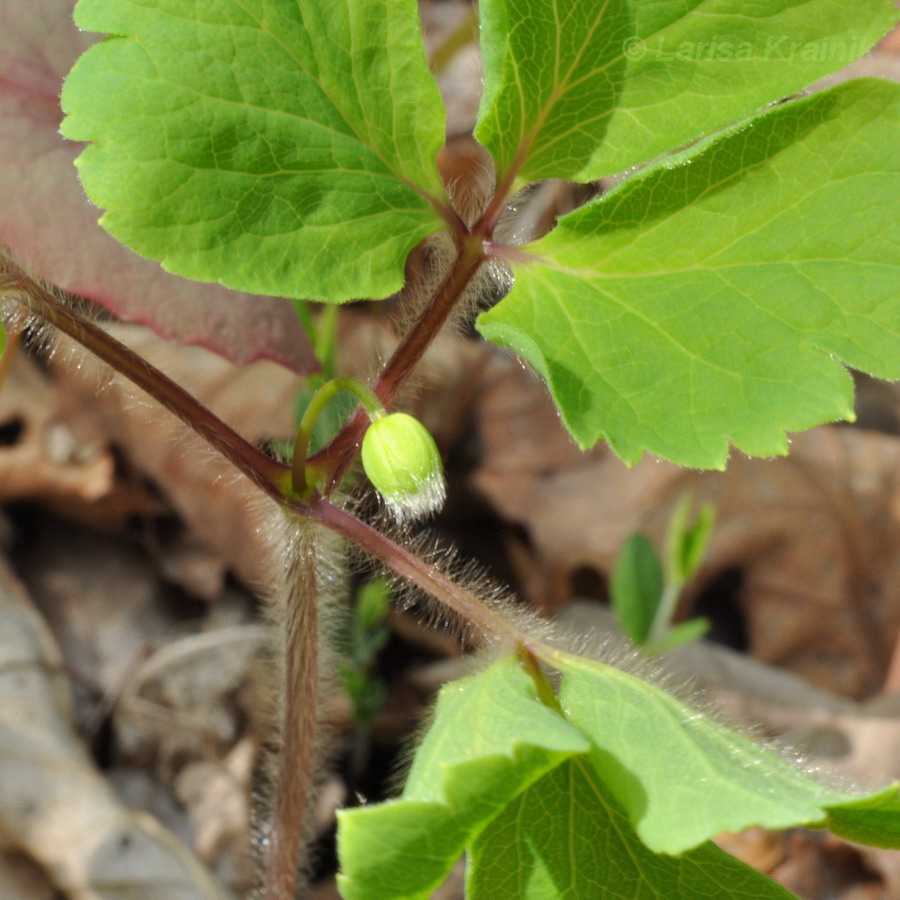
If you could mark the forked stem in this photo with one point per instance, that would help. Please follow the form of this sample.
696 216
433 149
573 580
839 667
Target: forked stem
338 456
300 467
275 479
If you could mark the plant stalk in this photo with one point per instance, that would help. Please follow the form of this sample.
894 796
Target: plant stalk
296 610
338 456
271 476
300 676
662 619
371 405
490 624
264 471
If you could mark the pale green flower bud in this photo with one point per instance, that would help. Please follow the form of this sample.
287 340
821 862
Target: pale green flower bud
404 465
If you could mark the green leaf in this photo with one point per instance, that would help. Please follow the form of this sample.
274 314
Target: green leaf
373 600
583 89
686 543
711 297
636 587
284 148
490 739
679 635
566 837
873 820
681 777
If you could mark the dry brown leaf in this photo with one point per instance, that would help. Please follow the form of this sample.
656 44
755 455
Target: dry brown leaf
42 454
179 703
816 535
21 879
819 865
757 847
221 508
216 795
873 735
55 807
104 604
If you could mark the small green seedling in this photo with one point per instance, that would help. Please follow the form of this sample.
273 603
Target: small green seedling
322 332
645 591
368 634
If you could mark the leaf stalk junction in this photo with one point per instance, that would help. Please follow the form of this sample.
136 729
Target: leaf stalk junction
301 490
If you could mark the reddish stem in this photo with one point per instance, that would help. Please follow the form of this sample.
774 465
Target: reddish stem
300 634
490 624
298 724
338 456
264 471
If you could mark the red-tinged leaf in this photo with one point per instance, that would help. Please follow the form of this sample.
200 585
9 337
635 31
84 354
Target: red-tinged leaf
51 227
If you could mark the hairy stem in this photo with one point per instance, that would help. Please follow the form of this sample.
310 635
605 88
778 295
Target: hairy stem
491 216
298 600
296 611
490 625
338 456
264 471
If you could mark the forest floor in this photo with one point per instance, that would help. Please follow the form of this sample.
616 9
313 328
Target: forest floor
135 566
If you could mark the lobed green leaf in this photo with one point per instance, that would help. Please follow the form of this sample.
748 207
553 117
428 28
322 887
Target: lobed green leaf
581 89
567 837
490 739
284 148
710 298
872 820
682 778
616 799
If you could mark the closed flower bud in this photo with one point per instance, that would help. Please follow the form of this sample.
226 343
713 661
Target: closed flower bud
404 465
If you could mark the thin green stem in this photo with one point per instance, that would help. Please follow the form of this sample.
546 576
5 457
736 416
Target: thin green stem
325 344
299 465
662 619
529 662
338 456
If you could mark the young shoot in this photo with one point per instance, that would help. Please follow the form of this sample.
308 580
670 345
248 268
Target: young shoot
399 455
